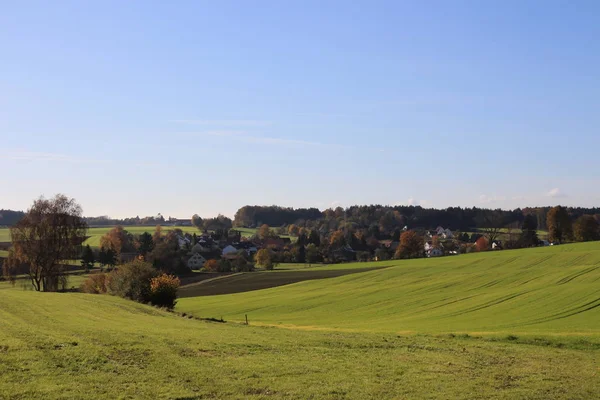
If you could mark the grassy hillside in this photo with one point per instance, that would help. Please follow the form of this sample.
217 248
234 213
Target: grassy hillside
533 291
75 346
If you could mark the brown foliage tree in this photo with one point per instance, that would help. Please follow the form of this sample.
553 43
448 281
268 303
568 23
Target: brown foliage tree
586 228
118 240
411 245
50 233
482 244
211 265
264 232
337 239
559 224
264 258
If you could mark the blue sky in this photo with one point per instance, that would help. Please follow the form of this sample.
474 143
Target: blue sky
136 108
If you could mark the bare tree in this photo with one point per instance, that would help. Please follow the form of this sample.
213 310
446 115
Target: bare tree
492 226
50 233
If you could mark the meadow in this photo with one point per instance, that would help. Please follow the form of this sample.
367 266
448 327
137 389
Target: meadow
552 290
75 346
497 325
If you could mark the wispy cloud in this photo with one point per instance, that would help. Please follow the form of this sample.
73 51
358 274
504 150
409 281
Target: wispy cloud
224 122
555 193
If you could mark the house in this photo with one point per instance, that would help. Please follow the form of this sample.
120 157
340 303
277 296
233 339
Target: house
196 261
447 234
431 251
179 222
544 243
497 245
435 253
229 249
183 241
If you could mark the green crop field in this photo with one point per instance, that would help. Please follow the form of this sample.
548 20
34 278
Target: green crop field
534 291
74 346
497 325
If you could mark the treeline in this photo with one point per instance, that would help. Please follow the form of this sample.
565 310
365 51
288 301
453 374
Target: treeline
107 221
255 216
10 217
386 219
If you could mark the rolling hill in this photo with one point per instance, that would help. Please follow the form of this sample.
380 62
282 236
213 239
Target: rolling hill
76 346
533 291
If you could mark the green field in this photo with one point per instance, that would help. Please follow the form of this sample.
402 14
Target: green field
534 291
521 324
75 346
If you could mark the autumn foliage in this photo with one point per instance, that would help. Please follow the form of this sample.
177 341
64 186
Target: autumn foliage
163 290
411 245
211 265
482 244
95 284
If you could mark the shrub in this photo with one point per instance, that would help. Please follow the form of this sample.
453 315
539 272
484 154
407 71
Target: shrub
95 284
211 265
163 290
224 266
132 281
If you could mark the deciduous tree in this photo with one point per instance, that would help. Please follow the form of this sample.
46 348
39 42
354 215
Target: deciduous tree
337 239
559 224
50 233
145 244
586 229
529 231
264 232
264 258
118 240
411 245
197 221
482 244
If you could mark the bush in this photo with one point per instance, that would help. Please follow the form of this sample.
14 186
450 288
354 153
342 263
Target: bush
164 290
211 265
95 284
224 266
132 281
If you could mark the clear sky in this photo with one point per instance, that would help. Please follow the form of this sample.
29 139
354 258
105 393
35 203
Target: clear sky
139 107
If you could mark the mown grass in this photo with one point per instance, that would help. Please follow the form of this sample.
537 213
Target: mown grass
535 291
75 346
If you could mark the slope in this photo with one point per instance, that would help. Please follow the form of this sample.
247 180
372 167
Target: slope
554 289
77 346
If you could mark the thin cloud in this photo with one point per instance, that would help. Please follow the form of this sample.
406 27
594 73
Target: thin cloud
224 122
555 193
